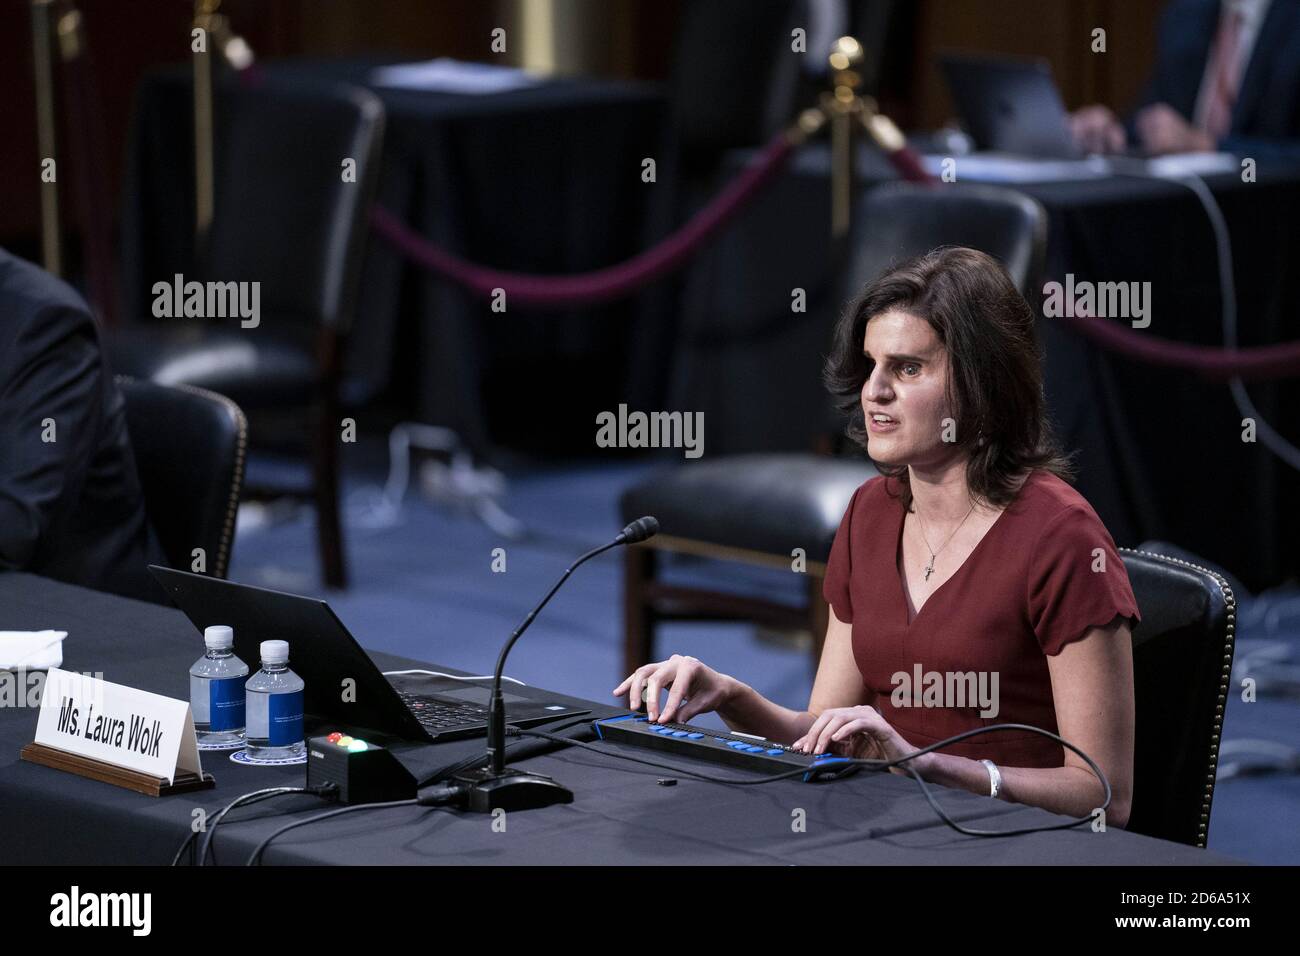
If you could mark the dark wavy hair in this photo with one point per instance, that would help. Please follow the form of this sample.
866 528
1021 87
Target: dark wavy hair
995 384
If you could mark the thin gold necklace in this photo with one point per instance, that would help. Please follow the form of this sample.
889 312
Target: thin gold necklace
929 568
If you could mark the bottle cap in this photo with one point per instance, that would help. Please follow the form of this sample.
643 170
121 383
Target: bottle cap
218 637
275 652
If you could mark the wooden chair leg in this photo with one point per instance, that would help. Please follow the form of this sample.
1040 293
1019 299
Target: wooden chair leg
639 567
819 618
325 482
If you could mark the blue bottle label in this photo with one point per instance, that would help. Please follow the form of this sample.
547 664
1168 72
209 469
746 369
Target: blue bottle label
285 719
226 703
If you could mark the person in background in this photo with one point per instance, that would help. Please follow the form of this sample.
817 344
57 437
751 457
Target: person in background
1227 77
70 501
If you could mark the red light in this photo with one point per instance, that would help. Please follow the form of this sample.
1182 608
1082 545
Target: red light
334 737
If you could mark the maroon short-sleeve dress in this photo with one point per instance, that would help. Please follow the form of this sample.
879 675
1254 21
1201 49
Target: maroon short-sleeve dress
1044 574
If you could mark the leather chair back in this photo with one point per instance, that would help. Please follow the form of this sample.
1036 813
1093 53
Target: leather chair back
189 447
900 220
720 45
285 216
1182 660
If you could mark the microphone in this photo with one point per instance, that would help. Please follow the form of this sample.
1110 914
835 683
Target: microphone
638 530
497 786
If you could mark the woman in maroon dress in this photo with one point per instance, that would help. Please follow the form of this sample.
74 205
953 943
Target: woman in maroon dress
969 584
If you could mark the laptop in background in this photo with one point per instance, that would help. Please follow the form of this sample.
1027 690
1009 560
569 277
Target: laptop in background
324 654
1010 105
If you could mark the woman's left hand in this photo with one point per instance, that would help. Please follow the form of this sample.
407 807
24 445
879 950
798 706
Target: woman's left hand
858 732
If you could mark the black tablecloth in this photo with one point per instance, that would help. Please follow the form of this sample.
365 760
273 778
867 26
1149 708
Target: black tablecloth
545 179
1159 451
620 815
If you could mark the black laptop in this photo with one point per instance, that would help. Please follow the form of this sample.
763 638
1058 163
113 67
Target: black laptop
326 657
1010 105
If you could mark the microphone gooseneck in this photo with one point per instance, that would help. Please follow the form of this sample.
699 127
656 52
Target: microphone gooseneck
638 530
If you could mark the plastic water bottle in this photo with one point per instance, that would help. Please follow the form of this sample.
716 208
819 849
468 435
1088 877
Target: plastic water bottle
217 689
275 701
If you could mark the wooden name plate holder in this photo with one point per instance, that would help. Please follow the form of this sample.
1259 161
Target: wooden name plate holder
149 785
121 735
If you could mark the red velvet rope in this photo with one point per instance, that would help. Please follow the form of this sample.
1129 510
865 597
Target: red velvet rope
909 166
601 285
1252 364
1257 363
620 280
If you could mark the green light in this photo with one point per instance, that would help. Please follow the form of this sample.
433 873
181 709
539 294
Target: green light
357 746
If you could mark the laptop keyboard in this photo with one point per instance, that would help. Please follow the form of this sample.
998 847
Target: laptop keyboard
436 714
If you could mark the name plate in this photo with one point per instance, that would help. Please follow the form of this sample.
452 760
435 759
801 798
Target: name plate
118 725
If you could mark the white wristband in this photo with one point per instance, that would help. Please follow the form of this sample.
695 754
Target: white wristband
995 777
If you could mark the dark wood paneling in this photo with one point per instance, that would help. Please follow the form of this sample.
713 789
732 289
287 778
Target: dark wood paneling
1057 30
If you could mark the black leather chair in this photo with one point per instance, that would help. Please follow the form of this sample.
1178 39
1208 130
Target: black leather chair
1182 663
286 218
190 446
721 45
758 508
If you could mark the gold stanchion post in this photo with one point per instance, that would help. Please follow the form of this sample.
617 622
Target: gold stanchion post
844 108
840 106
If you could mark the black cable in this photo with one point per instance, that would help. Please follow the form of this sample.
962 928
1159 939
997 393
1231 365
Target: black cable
255 796
254 859
875 765
841 765
176 860
260 794
1273 440
454 768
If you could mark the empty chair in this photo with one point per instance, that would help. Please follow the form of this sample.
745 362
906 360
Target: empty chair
190 446
1182 662
296 172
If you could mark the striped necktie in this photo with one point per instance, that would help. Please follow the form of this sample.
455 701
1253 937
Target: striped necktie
1224 78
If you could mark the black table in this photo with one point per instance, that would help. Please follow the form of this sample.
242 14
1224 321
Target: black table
545 179
1160 454
621 815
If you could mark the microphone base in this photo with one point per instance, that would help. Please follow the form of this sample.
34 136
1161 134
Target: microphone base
511 789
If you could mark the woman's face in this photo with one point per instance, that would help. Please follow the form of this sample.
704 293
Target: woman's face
903 397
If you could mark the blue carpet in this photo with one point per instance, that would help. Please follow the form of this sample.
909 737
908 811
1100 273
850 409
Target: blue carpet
425 588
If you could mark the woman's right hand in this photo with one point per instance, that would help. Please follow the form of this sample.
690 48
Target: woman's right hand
695 689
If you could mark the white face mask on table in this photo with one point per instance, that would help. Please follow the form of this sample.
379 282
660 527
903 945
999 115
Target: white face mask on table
31 650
